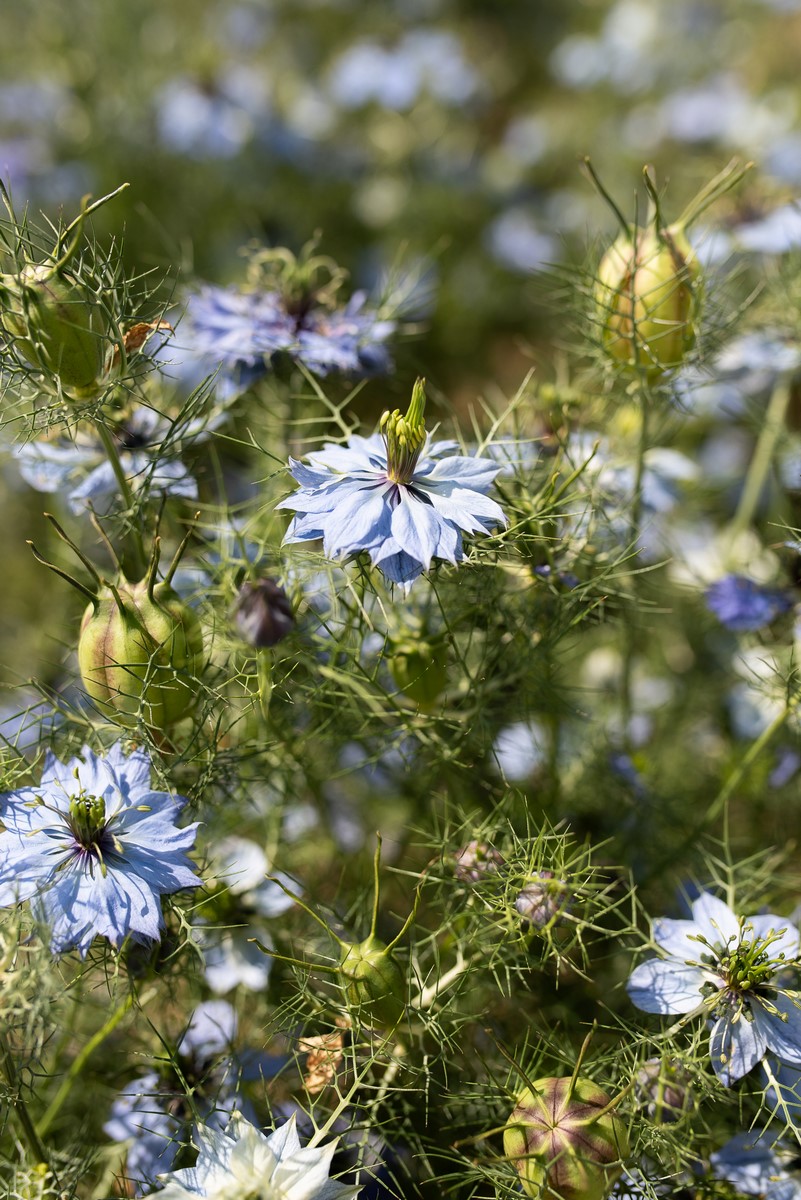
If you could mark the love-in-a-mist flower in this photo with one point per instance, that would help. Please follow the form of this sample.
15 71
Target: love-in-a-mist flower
396 495
734 970
759 1166
94 849
742 604
244 1164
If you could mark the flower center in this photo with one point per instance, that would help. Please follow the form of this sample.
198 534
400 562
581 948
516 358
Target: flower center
404 436
745 966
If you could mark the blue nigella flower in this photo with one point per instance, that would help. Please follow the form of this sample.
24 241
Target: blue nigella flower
291 310
94 848
146 445
730 969
242 897
154 1112
743 605
394 495
759 1166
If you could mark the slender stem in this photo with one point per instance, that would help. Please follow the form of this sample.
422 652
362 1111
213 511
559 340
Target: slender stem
720 802
635 530
20 1108
763 456
79 1062
139 563
428 995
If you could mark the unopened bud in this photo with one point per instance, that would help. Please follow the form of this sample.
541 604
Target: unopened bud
565 1140
475 861
543 899
374 982
263 613
57 326
663 1088
419 668
140 652
647 299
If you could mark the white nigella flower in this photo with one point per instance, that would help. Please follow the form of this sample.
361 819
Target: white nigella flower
244 1164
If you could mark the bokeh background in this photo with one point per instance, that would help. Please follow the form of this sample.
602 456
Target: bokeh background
441 136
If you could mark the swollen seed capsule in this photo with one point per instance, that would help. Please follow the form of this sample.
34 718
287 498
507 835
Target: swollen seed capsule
140 652
374 982
563 1143
57 326
419 668
646 296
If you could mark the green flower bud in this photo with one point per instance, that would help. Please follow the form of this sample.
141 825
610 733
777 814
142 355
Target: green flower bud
565 1140
140 651
374 983
419 668
57 327
647 294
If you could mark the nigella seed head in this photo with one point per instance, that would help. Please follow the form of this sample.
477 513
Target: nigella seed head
566 1140
543 899
663 1088
477 860
87 818
263 614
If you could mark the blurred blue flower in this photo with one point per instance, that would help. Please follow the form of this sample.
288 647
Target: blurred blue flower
730 969
94 849
759 1166
81 470
153 1112
743 605
393 495
240 331
428 59
239 868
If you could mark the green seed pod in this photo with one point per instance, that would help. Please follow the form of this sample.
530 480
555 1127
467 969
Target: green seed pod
374 983
647 293
565 1141
57 327
419 668
140 651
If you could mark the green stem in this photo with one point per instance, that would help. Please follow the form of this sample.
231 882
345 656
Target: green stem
20 1108
138 559
80 1061
763 456
720 802
635 530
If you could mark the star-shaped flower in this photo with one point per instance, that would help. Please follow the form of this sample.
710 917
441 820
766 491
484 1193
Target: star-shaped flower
731 969
396 495
94 848
243 1164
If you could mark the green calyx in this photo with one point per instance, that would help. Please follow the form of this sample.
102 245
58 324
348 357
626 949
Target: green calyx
305 281
404 436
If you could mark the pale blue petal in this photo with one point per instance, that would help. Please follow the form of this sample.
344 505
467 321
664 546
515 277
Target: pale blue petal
781 1030
662 985
361 521
416 528
715 919
474 473
735 1047
211 1030
678 938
